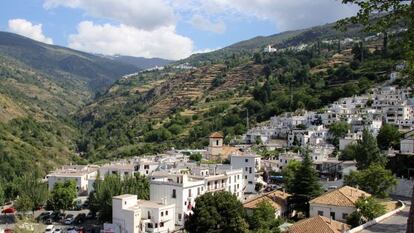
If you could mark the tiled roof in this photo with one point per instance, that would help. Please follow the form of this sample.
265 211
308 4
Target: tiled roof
318 224
345 196
252 204
276 198
216 135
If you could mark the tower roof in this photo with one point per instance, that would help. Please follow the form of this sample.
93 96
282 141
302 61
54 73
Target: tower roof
216 135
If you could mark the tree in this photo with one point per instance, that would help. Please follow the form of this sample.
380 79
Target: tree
196 157
258 58
62 195
305 180
338 130
23 204
263 218
367 152
375 180
289 172
100 200
32 188
2 193
349 153
218 212
367 208
380 16
388 136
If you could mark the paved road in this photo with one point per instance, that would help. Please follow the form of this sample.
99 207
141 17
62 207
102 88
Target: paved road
394 224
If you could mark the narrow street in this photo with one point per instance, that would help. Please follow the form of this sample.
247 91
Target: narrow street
394 224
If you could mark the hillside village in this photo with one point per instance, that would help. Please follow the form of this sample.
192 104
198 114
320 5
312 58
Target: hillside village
176 180
160 116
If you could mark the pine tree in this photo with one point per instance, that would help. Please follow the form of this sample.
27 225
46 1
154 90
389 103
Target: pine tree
368 152
306 181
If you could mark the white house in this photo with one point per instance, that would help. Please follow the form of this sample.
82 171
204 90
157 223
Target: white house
131 215
79 173
178 189
337 204
407 146
250 165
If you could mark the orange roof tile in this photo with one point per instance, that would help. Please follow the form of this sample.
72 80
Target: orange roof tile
345 196
216 135
318 224
276 198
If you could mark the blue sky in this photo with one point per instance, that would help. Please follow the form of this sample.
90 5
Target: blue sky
170 29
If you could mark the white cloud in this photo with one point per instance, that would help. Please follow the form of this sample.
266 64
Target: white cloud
127 40
288 14
205 24
142 14
205 50
27 29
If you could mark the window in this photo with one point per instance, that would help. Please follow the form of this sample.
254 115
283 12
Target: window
246 160
320 213
162 214
189 193
166 213
332 215
149 225
198 191
344 216
149 215
179 217
161 224
250 182
174 194
250 170
146 166
217 142
245 177
156 225
185 203
246 168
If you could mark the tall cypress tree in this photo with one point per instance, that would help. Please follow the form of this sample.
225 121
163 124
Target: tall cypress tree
306 181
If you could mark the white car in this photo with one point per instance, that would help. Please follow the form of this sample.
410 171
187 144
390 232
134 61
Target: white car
57 230
50 229
69 219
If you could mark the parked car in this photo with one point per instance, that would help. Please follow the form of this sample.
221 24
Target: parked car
9 210
91 215
80 218
50 229
58 230
44 215
69 219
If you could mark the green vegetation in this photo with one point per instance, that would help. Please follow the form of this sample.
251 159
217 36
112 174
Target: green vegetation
305 180
375 180
33 193
365 152
368 208
289 172
263 219
140 116
218 212
388 137
338 130
100 200
62 196
196 157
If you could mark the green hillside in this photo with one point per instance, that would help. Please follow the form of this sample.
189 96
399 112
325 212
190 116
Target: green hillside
279 40
64 65
153 111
